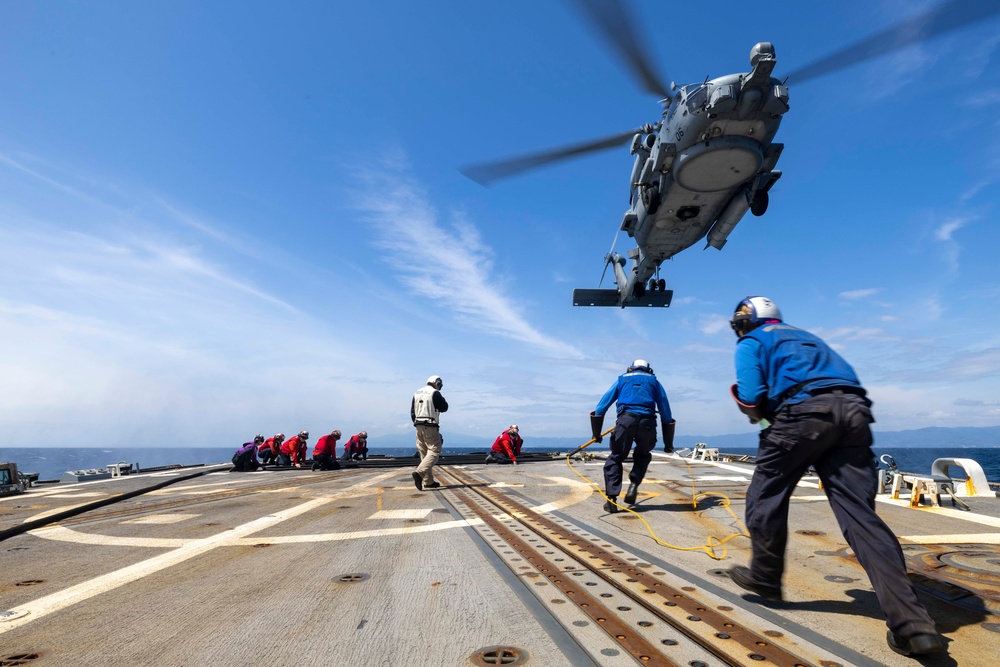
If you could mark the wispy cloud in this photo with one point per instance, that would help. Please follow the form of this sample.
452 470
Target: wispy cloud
712 324
854 295
447 264
945 234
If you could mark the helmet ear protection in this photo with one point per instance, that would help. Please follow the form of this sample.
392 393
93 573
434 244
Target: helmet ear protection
640 365
752 312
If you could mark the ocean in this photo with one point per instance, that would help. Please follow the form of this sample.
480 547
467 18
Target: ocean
51 462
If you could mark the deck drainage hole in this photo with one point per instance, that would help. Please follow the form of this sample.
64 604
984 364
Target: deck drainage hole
605 595
609 652
499 655
772 633
818 533
839 580
669 642
756 656
352 578
261 545
722 635
30 582
698 663
18 658
644 624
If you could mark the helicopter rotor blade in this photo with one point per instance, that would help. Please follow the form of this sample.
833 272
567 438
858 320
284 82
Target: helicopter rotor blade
486 173
944 18
615 23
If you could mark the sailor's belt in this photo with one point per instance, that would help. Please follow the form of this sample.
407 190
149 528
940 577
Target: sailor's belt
856 391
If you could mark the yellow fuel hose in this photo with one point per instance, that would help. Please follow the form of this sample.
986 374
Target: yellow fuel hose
712 543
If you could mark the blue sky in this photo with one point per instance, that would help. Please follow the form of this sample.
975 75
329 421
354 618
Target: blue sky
218 219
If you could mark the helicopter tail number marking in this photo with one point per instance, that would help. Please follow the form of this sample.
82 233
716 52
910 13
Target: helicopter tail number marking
610 297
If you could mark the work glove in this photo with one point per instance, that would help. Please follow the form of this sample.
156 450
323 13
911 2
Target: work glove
668 435
596 426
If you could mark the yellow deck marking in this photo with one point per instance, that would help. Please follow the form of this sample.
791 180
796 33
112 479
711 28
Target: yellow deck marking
378 498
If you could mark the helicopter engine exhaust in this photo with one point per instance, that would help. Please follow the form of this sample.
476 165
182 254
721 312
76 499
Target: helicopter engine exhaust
731 215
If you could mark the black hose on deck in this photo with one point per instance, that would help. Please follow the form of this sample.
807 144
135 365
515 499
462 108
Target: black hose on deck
55 518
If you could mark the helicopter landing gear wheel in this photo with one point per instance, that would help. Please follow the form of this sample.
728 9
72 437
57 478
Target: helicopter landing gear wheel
651 199
652 285
662 284
758 205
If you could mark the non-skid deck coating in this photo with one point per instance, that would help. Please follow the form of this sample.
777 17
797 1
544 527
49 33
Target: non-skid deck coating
516 564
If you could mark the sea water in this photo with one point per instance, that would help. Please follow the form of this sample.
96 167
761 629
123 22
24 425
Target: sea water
51 462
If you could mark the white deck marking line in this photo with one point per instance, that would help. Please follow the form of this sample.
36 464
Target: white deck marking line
158 519
402 514
966 538
952 513
86 494
359 534
579 492
108 582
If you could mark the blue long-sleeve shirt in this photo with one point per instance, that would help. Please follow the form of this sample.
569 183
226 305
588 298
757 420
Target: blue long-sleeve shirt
637 392
784 363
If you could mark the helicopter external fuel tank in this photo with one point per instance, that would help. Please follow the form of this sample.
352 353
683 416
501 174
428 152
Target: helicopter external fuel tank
730 216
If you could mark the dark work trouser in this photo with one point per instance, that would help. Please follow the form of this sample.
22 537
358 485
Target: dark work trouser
326 462
501 458
245 462
630 427
830 432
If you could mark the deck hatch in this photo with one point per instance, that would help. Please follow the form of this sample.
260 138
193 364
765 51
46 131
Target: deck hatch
498 655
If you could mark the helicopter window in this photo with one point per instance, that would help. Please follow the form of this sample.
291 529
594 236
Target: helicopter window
697 99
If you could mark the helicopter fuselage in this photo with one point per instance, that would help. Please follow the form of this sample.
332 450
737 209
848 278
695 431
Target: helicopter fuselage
710 160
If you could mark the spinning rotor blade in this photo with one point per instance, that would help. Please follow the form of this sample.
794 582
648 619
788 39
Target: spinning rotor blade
484 174
944 18
612 18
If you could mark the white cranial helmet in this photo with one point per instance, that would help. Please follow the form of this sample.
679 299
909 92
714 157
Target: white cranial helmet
435 381
640 364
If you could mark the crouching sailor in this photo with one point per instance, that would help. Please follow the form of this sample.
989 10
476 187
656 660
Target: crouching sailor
271 449
816 413
245 458
507 447
325 452
639 395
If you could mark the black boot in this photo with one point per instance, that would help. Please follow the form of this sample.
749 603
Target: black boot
633 491
610 506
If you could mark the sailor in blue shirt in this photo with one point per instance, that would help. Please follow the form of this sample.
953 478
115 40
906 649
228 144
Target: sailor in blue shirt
639 395
815 413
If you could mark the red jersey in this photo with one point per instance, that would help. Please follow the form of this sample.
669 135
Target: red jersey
294 448
269 444
505 444
326 445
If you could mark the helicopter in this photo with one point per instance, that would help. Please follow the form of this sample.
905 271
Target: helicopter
711 157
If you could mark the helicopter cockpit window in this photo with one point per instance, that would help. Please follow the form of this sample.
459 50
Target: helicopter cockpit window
696 100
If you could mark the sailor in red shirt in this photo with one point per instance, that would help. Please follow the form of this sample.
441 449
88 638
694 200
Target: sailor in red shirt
293 450
357 447
507 447
325 453
271 448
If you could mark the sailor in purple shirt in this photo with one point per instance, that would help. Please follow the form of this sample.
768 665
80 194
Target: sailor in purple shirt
245 458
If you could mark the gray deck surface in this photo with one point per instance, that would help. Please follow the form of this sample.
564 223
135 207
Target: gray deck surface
358 567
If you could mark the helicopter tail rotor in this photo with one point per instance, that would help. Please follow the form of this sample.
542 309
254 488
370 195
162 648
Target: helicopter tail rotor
609 258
